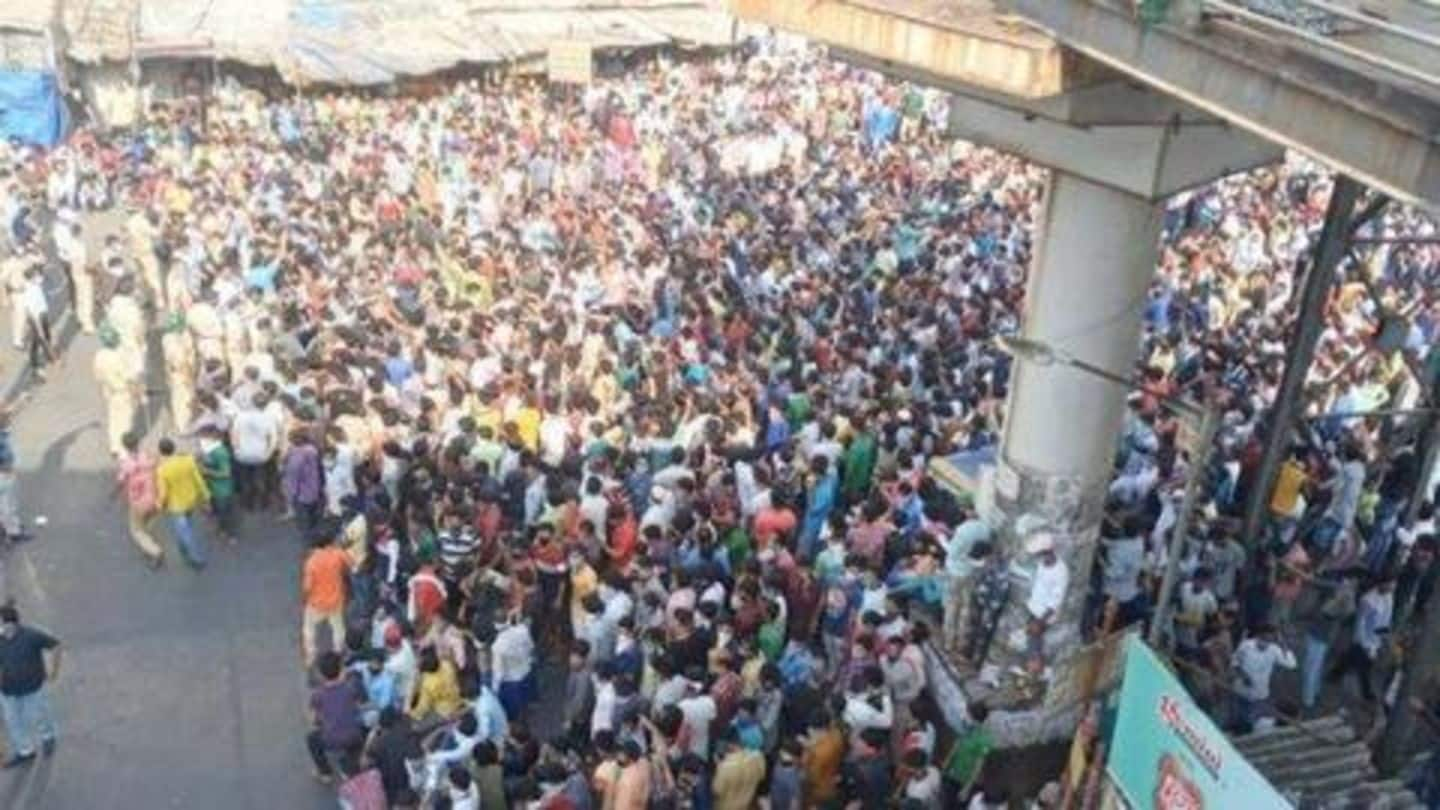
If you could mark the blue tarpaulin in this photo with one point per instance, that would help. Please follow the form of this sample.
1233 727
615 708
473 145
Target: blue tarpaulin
31 107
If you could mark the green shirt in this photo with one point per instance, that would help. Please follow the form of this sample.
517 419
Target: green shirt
771 640
968 755
797 410
215 465
859 465
737 545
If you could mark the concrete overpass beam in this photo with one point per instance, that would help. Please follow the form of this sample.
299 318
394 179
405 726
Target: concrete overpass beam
1097 242
1176 149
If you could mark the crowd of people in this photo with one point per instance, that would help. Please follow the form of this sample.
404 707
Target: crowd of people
628 397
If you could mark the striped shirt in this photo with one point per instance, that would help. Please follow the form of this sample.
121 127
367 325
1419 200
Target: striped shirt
457 550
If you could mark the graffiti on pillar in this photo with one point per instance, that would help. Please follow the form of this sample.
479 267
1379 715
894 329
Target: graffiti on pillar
1067 504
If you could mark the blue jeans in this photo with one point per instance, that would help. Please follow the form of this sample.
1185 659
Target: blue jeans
1382 537
1312 669
1323 538
25 717
191 546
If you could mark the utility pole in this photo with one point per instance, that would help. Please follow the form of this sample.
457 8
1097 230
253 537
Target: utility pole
1334 242
1199 452
1427 444
1422 660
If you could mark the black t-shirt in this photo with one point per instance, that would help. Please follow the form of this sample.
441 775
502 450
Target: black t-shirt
22 667
389 752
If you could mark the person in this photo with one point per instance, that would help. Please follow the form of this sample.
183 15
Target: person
786 787
135 477
965 763
513 653
322 586
821 759
15 270
1254 664
178 350
120 381
36 308
389 747
632 787
738 775
72 251
987 599
922 788
1373 615
1336 609
215 465
181 489
489 776
255 435
438 692
337 735
1048 585
301 479
29 661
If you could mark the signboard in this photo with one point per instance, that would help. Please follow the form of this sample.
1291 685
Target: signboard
570 61
1166 753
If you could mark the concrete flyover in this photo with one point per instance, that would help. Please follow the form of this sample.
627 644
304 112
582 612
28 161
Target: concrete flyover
1125 112
1362 95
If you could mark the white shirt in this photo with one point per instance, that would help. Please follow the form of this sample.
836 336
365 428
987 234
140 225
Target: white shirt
512 654
699 712
1256 664
32 300
1124 560
905 675
859 714
602 717
1372 619
1047 589
255 435
554 439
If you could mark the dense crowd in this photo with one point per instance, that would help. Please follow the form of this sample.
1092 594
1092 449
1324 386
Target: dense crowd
636 390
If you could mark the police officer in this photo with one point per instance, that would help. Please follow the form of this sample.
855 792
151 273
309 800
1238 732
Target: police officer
207 328
125 316
120 378
180 366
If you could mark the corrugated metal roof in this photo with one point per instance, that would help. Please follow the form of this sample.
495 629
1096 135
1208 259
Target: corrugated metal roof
27 14
99 29
366 41
1323 764
248 31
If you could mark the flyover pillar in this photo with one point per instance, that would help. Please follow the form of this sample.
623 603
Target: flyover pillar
1096 250
1115 154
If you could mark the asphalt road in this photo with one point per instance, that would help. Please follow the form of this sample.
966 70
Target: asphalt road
178 689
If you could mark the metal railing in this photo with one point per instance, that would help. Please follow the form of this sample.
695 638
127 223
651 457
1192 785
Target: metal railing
1378 24
1323 43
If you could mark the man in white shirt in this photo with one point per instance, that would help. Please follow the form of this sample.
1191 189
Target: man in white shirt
513 659
1372 625
1048 583
868 705
1254 662
698 710
904 666
35 309
255 438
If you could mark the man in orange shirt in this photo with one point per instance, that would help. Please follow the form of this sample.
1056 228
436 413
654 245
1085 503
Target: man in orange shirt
323 590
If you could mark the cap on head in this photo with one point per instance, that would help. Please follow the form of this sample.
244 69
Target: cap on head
1040 543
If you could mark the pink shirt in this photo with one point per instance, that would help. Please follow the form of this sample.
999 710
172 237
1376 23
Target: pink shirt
137 476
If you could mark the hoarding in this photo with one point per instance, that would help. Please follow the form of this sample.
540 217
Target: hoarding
1167 754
